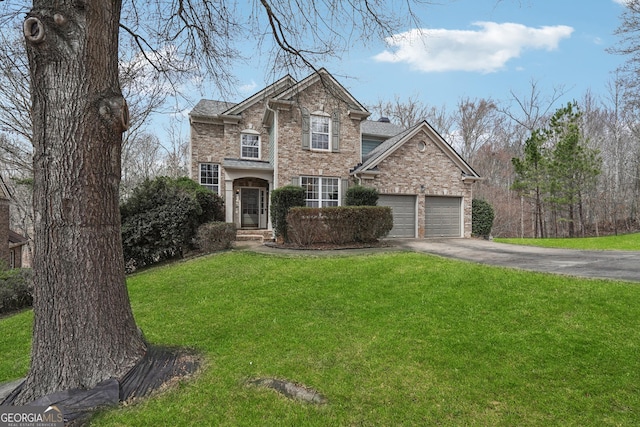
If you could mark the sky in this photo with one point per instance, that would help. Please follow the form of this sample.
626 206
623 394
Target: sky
475 49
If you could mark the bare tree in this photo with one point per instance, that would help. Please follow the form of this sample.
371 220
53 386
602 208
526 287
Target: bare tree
84 331
476 121
15 123
530 111
407 113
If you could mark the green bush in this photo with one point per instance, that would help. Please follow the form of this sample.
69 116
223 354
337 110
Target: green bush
282 199
482 218
212 204
161 218
339 225
216 236
16 289
361 196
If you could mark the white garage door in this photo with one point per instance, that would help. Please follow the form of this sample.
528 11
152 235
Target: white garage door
404 214
443 216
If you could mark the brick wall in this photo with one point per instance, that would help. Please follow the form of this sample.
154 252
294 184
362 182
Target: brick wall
293 161
409 168
4 230
213 142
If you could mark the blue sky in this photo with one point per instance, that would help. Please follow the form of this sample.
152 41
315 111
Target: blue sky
478 49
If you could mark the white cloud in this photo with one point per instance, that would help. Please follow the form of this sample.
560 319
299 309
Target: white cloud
248 88
486 50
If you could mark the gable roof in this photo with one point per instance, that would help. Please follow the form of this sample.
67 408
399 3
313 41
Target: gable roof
209 108
266 93
283 90
322 75
389 146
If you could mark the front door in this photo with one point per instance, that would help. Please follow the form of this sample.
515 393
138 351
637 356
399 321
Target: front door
250 207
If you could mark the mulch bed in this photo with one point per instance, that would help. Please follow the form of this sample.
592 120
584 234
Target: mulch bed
159 369
330 246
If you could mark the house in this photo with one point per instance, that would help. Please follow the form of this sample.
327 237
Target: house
11 243
315 134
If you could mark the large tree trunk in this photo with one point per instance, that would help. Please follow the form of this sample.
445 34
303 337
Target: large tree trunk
84 330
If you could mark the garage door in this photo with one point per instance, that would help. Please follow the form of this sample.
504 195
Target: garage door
404 214
443 216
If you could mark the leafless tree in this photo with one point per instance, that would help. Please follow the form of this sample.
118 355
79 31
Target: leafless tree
475 122
530 111
407 113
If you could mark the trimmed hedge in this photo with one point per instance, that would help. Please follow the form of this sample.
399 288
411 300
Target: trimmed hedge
16 289
359 195
482 218
283 199
215 236
338 225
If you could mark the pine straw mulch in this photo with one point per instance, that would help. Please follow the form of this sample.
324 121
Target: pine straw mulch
330 246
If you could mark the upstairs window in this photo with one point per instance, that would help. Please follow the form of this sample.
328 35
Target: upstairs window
250 145
210 176
321 192
320 131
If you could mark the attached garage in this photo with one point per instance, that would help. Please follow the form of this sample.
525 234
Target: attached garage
443 216
404 214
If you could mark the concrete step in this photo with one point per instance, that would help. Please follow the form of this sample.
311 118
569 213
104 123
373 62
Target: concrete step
254 235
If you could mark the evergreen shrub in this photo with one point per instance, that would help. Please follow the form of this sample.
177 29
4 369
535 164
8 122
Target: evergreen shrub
161 218
359 195
482 218
283 199
16 289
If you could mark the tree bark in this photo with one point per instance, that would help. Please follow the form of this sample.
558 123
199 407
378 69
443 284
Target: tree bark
84 330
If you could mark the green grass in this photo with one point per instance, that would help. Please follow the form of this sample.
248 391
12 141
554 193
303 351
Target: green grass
390 339
624 242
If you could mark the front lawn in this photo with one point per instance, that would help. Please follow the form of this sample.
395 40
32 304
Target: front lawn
622 242
389 339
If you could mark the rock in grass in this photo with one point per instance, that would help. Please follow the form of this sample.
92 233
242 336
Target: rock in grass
290 390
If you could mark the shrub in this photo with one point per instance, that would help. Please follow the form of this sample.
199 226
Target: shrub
339 225
16 289
482 218
361 196
282 199
215 236
212 204
305 226
161 218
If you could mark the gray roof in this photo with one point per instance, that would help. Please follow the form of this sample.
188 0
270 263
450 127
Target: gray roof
381 129
209 108
247 164
386 145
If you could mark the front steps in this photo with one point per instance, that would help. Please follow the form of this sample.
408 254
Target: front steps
254 235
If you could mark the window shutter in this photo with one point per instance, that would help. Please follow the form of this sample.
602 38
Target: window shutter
344 186
306 125
295 181
335 131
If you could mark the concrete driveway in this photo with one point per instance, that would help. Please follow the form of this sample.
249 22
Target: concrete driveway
618 265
